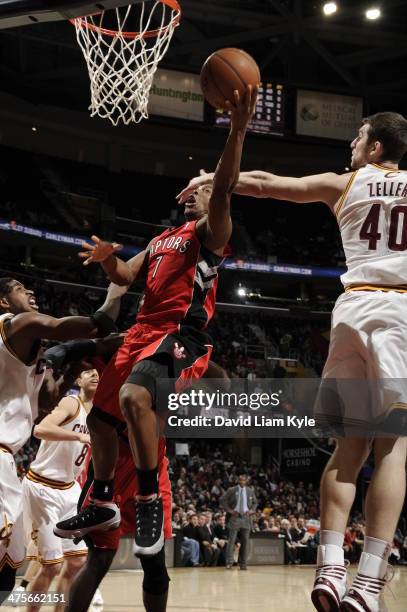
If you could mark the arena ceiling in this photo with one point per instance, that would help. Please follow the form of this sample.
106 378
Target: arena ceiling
292 41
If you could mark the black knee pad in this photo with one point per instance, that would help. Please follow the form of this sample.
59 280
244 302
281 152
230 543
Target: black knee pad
156 579
7 581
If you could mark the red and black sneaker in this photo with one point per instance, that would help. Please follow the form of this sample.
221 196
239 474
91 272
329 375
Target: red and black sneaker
97 516
149 535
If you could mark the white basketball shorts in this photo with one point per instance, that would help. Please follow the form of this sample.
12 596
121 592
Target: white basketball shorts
368 355
43 507
12 550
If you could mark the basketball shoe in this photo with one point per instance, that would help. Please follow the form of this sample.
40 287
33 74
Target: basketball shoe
330 580
149 536
366 592
97 516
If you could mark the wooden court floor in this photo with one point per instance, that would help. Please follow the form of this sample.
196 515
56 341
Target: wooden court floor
260 589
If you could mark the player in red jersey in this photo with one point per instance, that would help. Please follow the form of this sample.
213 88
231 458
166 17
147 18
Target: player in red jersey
168 341
103 544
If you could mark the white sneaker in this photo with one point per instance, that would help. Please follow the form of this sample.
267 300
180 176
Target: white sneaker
330 580
97 599
366 592
14 601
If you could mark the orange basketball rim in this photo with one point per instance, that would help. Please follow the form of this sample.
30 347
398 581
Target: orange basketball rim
173 4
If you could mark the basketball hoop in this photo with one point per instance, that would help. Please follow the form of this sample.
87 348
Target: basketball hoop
122 63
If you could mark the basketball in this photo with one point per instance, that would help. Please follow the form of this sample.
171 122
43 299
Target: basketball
226 70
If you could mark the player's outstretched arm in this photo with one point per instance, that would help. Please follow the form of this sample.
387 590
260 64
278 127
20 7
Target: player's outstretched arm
50 426
72 351
218 223
111 305
35 326
326 187
109 345
25 330
122 273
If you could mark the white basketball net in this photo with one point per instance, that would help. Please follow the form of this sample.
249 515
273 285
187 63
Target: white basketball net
122 63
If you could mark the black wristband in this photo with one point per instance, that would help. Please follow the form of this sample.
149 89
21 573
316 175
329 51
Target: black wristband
105 325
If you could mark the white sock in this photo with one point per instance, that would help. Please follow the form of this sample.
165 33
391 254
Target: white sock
379 548
330 551
329 554
374 558
331 537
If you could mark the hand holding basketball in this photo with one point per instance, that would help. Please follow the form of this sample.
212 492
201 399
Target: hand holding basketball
225 71
99 251
242 107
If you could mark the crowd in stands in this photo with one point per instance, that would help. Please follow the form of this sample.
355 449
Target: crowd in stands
240 339
242 342
69 196
201 479
271 246
321 246
286 509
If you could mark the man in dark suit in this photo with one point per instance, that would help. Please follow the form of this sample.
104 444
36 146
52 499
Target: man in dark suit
291 550
221 533
190 544
240 502
209 548
191 529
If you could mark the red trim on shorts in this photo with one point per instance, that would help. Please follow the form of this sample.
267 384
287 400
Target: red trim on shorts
195 371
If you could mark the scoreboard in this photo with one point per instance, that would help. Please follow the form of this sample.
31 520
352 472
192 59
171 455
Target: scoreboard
269 116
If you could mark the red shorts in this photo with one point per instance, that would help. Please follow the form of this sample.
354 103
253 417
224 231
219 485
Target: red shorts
187 352
125 488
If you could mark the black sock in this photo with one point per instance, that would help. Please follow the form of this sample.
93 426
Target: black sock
148 481
103 489
24 583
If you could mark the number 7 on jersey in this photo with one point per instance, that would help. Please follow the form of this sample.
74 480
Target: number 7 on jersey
157 265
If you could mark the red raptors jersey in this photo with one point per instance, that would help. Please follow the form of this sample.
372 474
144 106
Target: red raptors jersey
181 280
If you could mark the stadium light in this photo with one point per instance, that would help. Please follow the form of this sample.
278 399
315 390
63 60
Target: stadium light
329 8
373 13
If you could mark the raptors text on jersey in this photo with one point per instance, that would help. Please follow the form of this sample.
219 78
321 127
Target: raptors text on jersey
181 281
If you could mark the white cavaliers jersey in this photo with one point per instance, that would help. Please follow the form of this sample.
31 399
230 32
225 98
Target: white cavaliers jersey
372 217
62 461
19 388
